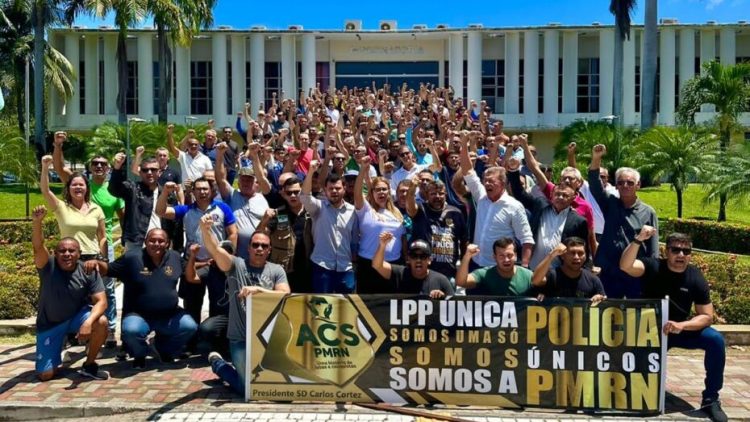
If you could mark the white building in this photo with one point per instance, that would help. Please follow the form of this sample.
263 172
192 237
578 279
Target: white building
513 69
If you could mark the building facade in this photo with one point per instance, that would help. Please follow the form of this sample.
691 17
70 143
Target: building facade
537 79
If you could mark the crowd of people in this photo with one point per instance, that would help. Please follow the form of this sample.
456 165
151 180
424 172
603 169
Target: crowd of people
368 191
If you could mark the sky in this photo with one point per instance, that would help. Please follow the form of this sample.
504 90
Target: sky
242 14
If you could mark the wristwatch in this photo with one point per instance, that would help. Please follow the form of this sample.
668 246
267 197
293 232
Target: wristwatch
637 241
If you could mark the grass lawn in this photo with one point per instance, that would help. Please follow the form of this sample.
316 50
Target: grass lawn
664 201
13 199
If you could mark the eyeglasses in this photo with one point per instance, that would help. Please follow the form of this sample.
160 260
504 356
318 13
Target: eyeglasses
256 245
404 154
99 164
149 170
675 250
626 183
419 256
338 158
292 192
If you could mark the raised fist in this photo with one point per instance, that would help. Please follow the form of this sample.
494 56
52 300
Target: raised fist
140 150
222 146
60 138
364 162
170 187
211 123
331 150
472 250
514 164
194 249
39 212
314 165
191 133
559 250
523 139
46 162
170 129
572 147
646 233
118 160
385 237
389 167
253 147
207 221
598 151
270 213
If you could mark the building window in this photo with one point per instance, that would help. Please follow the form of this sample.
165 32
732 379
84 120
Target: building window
101 86
229 89
559 85
82 86
201 91
540 89
493 84
363 74
157 84
520 86
588 85
295 95
638 88
322 75
247 85
272 81
131 98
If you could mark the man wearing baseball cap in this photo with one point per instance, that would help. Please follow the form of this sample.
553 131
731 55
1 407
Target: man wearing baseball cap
415 277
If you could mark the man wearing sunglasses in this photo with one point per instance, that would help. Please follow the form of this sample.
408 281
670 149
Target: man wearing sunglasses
623 219
110 205
685 285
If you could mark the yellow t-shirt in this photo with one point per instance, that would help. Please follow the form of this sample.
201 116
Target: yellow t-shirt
81 227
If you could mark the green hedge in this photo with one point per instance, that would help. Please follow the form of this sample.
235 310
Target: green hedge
710 235
13 232
19 282
730 286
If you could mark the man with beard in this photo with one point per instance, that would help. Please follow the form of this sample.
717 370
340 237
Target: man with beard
505 278
409 167
569 279
414 278
66 289
451 167
685 286
150 278
441 225
334 237
230 154
247 204
110 205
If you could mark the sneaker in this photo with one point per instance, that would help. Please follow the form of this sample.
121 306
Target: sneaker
213 357
111 342
714 411
65 356
122 354
91 370
139 363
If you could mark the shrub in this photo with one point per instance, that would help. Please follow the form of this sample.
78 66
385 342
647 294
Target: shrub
724 237
19 295
14 232
730 286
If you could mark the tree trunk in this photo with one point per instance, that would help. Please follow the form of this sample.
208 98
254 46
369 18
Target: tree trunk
617 77
39 47
648 73
724 139
679 202
19 74
165 73
122 78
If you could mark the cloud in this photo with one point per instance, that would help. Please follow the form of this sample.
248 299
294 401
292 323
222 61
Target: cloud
711 4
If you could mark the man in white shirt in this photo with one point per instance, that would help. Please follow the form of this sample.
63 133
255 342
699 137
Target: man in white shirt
193 162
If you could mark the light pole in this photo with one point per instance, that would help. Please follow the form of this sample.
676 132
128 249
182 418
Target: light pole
127 141
27 131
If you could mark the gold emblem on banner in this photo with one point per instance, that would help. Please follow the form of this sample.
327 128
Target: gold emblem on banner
318 338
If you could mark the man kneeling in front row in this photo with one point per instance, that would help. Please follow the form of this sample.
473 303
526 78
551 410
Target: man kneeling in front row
64 308
685 285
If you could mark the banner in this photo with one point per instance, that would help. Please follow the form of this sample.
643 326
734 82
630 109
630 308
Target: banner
491 351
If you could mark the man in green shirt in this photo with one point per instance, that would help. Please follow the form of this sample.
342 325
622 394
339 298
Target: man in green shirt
503 279
111 205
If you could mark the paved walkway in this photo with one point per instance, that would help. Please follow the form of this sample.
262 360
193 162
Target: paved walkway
188 390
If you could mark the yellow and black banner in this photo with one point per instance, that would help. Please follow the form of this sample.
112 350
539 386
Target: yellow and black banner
490 351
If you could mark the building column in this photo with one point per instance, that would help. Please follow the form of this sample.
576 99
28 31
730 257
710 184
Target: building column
257 70
687 56
474 67
628 80
182 80
727 46
73 105
308 64
145 76
288 67
220 77
91 63
708 53
570 72
110 74
551 88
511 72
666 76
531 78
53 117
238 73
606 71
456 64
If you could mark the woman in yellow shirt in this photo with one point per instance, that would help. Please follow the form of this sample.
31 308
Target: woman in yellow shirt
77 216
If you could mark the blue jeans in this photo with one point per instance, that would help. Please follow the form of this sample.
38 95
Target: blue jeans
618 285
49 343
329 281
712 342
109 285
171 333
233 373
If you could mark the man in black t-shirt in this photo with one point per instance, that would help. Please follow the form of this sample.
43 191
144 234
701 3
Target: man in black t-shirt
416 277
569 279
150 298
685 286
65 289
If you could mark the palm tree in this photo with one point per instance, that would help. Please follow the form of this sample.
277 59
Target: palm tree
726 88
15 26
733 177
620 142
648 72
679 154
622 10
128 13
177 22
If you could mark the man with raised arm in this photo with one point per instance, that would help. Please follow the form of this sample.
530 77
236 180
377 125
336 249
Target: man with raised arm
245 277
71 300
193 163
505 278
685 286
624 217
570 279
